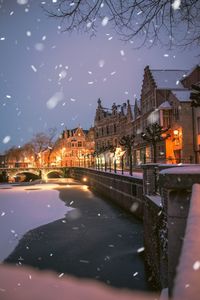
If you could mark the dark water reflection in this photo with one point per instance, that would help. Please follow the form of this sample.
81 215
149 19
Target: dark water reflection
95 240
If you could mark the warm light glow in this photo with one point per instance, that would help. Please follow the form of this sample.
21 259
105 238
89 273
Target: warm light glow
176 132
85 187
84 179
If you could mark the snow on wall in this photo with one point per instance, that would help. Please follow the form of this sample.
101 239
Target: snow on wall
187 283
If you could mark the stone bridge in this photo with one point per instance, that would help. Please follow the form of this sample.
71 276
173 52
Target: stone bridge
42 172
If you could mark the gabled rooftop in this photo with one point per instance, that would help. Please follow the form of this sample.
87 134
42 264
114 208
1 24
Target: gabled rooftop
182 96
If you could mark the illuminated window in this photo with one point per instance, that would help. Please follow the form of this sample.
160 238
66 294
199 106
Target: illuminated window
79 144
166 118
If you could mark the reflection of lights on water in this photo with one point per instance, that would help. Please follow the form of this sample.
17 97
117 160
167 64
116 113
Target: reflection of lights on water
85 187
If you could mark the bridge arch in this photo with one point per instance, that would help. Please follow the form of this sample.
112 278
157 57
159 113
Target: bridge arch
54 174
43 172
29 174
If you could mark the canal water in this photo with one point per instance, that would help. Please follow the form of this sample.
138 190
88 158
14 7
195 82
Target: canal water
65 227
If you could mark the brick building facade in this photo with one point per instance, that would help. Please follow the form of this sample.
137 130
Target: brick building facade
165 99
74 148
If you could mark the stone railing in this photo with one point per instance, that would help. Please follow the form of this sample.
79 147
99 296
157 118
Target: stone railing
162 200
125 191
176 188
167 192
187 281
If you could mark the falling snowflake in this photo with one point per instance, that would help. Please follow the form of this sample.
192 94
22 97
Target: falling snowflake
112 73
28 33
60 275
196 265
2 38
122 52
104 21
110 38
22 2
8 96
11 13
134 207
84 261
139 250
3 214
101 63
33 68
176 4
135 274
39 47
166 55
54 100
6 139
62 74
89 24
90 82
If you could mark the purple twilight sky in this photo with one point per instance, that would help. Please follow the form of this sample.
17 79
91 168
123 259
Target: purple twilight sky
53 79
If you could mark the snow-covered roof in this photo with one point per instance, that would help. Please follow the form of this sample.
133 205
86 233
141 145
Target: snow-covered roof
165 105
190 169
191 70
169 79
182 96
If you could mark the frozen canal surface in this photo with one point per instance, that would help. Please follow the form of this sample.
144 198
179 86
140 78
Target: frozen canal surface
66 228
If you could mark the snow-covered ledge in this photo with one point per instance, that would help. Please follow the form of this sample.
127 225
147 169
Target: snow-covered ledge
187 282
176 189
23 283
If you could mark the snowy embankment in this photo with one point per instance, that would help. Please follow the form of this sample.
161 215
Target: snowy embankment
23 208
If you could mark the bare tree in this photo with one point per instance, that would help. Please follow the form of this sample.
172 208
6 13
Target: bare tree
41 142
170 22
127 141
13 155
153 135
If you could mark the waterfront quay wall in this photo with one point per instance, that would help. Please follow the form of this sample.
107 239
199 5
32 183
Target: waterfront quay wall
164 201
128 193
170 234
125 191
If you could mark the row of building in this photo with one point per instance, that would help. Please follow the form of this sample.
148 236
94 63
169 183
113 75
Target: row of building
165 99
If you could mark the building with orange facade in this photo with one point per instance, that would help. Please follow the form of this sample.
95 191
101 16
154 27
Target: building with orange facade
165 99
74 148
